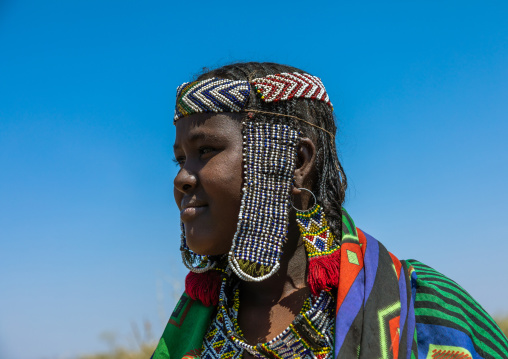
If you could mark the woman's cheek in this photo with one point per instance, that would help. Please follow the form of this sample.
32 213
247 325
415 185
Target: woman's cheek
227 172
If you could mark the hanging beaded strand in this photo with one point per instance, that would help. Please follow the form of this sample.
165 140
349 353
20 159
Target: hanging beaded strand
269 153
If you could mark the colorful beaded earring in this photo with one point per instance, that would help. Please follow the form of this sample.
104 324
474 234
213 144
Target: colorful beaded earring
321 246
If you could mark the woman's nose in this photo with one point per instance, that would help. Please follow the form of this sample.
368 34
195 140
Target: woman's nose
185 180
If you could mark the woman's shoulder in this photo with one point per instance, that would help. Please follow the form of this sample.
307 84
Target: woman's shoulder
447 316
184 332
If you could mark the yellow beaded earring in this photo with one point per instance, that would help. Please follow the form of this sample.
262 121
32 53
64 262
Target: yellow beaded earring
321 247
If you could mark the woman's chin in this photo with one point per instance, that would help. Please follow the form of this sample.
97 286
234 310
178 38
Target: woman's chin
205 241
206 250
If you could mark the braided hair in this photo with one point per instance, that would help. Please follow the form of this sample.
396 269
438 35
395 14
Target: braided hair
331 183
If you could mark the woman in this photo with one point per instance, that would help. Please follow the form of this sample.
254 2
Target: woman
278 268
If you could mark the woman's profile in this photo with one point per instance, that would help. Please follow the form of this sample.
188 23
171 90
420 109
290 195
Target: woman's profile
278 269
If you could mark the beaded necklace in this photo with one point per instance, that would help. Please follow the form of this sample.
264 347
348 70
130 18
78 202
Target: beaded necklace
310 335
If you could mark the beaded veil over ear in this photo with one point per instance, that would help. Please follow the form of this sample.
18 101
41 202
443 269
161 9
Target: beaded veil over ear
269 152
269 161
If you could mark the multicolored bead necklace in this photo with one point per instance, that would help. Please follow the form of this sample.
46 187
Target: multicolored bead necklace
310 335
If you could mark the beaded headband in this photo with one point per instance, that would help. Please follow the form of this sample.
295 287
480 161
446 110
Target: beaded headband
221 95
285 86
212 95
269 159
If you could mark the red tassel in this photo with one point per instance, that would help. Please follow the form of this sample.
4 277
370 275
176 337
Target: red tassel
204 287
324 272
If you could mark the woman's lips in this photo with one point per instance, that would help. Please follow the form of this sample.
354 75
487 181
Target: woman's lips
191 212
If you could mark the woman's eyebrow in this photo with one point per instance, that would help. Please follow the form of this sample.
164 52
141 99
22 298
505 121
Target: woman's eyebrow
203 136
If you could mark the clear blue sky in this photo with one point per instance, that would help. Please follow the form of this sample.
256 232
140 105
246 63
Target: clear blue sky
89 230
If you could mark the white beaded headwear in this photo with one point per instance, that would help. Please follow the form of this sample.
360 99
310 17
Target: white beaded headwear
221 95
212 95
269 160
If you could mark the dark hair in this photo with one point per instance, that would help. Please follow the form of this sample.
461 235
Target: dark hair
331 183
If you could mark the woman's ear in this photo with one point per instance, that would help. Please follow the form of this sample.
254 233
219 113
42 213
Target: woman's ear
305 165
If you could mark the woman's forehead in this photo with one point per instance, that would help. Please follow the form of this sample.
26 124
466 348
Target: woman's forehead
210 126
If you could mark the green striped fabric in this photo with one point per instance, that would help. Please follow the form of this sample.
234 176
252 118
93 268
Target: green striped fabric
441 301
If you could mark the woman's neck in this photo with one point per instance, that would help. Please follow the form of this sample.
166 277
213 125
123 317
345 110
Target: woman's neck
291 276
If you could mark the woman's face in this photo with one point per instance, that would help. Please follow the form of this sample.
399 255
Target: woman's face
208 187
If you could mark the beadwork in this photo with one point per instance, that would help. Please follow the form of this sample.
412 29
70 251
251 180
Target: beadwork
194 262
321 247
286 86
212 95
310 335
269 152
222 95
314 229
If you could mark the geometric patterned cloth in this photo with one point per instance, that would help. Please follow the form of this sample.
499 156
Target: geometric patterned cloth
386 308
389 308
446 316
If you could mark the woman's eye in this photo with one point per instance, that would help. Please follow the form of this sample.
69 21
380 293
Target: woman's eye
205 150
179 161
202 151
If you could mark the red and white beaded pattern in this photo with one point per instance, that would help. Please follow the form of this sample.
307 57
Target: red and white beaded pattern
286 86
